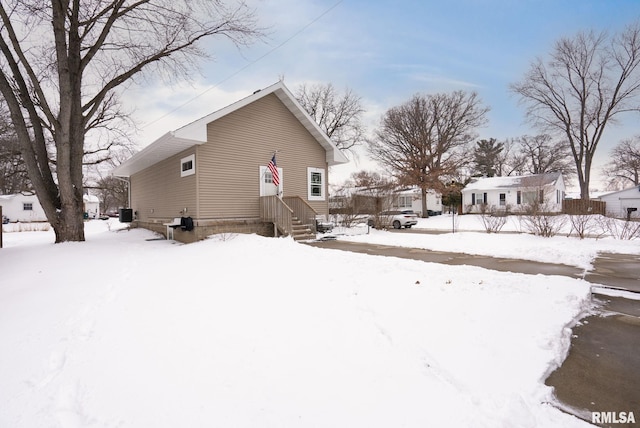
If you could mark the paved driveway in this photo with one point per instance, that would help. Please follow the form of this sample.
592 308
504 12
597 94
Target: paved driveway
602 371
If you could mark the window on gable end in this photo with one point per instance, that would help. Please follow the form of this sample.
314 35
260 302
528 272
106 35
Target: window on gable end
188 166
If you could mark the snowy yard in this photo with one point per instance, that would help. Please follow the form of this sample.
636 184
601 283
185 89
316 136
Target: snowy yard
245 331
470 238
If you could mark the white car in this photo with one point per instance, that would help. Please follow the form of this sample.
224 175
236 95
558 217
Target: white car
397 219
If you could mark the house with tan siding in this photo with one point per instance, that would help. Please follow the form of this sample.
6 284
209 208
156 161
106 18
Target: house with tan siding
214 172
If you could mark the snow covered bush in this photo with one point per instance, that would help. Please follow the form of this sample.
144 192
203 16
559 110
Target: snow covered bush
541 221
621 229
586 225
493 220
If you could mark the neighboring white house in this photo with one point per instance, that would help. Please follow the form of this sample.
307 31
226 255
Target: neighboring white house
618 202
411 199
22 207
515 193
26 208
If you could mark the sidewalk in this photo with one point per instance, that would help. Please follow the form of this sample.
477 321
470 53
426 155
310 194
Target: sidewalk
602 371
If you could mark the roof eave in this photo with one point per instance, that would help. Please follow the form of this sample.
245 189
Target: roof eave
163 148
195 133
334 154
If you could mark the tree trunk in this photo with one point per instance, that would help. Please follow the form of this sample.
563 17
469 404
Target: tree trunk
69 130
69 143
425 212
70 225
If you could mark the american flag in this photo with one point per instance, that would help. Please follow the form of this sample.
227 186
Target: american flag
274 171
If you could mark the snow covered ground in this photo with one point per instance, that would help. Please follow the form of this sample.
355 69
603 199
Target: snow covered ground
470 238
245 331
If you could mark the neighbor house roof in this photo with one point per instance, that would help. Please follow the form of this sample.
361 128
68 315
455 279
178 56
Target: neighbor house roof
195 133
512 182
14 195
627 190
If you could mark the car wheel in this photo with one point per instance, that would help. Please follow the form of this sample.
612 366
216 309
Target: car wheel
396 224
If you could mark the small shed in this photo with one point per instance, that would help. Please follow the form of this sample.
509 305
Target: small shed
91 206
623 202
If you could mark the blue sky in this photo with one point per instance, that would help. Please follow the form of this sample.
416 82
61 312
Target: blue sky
387 51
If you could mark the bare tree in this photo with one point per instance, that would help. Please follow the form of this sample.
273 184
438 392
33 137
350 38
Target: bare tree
365 193
13 172
541 154
588 82
112 192
64 64
339 115
624 167
423 141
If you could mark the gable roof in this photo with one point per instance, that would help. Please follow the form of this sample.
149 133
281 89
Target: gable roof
195 133
629 190
513 182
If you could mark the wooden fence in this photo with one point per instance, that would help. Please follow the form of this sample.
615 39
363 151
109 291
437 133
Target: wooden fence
580 206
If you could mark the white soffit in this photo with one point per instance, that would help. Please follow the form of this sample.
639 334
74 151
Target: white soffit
163 148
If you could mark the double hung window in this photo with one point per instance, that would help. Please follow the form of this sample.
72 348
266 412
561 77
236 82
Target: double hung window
316 184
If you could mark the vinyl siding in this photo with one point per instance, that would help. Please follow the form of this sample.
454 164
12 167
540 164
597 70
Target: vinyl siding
159 193
618 202
238 144
227 177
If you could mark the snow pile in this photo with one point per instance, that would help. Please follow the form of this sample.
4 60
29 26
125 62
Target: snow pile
246 331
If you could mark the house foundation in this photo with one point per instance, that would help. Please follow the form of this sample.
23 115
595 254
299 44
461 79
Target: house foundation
204 228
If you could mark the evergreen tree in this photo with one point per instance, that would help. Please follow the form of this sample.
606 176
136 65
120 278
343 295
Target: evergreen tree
486 157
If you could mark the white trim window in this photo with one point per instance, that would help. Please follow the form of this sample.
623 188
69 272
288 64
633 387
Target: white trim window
27 206
530 197
316 183
405 201
188 166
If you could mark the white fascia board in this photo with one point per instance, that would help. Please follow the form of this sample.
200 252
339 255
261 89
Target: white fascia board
334 155
195 133
163 148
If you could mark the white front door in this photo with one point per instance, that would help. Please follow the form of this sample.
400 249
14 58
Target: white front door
267 186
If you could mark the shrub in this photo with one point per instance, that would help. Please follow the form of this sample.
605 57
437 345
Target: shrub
621 229
586 224
493 220
539 221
